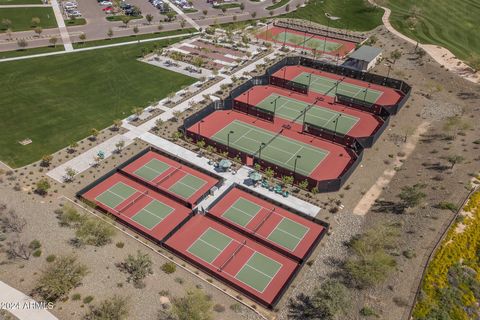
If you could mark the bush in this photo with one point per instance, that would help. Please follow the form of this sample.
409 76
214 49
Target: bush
137 268
95 232
179 280
169 267
59 278
37 253
120 245
51 258
87 299
194 305
444 205
76 297
34 245
236 307
115 308
367 312
70 217
218 308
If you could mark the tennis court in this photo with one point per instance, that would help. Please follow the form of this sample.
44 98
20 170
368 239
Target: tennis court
292 109
330 87
283 231
257 272
120 197
175 178
309 41
274 148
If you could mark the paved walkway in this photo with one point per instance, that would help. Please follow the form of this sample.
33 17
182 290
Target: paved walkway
67 43
440 54
183 15
24 307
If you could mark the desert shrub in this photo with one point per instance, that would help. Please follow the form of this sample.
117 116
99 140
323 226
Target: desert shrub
59 278
169 267
195 305
137 268
95 232
114 308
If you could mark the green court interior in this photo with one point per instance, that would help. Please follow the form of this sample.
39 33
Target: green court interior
310 41
279 150
292 109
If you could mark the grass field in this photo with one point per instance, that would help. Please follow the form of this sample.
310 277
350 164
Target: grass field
453 24
30 51
57 100
12 2
279 4
21 18
354 14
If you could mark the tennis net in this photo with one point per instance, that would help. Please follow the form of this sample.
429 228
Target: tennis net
237 250
260 224
170 174
132 202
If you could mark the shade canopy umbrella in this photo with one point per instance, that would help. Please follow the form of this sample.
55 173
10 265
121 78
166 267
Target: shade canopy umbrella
225 163
255 176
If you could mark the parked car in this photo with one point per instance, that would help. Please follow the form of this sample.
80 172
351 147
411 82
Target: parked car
107 9
125 6
75 13
70 4
106 3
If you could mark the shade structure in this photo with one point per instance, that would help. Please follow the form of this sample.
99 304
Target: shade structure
225 163
255 176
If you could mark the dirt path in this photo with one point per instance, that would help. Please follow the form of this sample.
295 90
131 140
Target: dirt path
441 55
367 201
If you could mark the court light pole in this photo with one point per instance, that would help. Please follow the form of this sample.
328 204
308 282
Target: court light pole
228 139
365 96
199 122
295 165
262 145
275 105
336 124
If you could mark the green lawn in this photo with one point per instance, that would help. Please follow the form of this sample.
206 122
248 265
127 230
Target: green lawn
12 2
227 6
57 100
30 51
21 18
453 24
95 43
278 4
354 14
120 17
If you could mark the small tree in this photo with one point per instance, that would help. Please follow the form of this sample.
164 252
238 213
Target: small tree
395 55
149 18
60 277
137 111
271 12
269 173
22 44
171 15
137 268
287 8
115 308
201 144
70 174
159 123
125 20
119 145
224 9
38 31
35 21
453 160
95 232
253 14
117 123
6 23
205 12
16 249
82 37
42 186
135 30
303 185
46 160
72 147
160 27
412 196
110 33
242 6
195 305
53 41
94 134
183 23
287 180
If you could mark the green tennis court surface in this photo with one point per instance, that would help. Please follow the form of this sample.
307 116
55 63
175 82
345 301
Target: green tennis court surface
326 86
307 42
152 214
292 109
288 233
278 150
187 186
152 169
115 195
242 212
259 271
209 245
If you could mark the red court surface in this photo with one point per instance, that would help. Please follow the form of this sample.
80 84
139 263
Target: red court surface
266 221
228 262
158 232
367 125
332 166
346 47
176 171
389 97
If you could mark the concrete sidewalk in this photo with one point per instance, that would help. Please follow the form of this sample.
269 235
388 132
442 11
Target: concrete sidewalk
22 306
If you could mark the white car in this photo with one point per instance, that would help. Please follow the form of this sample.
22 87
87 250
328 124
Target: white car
75 13
106 3
70 4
